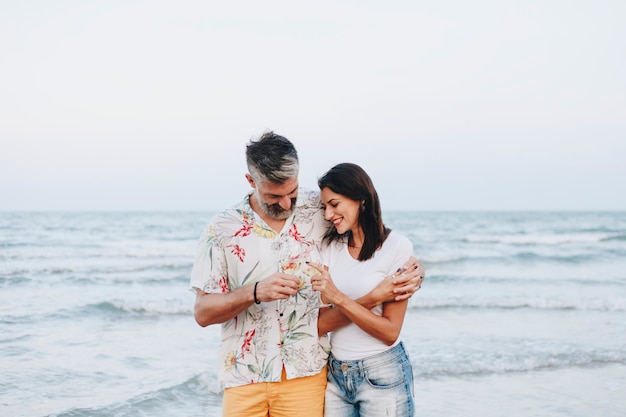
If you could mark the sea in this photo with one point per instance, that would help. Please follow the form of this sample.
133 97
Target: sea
520 314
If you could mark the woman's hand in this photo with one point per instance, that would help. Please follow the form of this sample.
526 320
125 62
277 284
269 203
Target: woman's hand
323 283
408 280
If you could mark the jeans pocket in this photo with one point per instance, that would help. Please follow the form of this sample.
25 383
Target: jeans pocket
389 375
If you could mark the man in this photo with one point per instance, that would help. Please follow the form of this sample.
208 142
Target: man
271 360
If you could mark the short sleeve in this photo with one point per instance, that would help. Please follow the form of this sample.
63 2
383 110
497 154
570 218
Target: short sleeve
209 273
402 251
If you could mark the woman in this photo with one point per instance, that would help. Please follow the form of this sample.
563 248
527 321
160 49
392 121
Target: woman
369 372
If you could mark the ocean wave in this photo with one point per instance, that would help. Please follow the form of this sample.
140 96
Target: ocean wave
13 278
149 277
535 280
524 256
122 308
96 253
89 273
13 340
109 270
546 303
104 309
619 238
479 363
547 239
197 395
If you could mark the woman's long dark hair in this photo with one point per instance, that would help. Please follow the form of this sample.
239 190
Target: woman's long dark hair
351 181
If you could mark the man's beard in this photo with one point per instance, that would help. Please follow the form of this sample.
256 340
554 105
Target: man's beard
275 211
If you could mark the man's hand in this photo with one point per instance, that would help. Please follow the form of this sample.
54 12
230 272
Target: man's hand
277 286
408 280
401 285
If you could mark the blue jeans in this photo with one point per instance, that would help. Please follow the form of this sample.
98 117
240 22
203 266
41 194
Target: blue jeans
376 386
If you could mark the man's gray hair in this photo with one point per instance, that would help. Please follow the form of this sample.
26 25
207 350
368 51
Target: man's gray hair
272 158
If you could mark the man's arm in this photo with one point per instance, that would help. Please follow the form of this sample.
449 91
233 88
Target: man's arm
219 308
399 286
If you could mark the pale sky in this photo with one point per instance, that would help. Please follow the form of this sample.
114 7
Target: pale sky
449 105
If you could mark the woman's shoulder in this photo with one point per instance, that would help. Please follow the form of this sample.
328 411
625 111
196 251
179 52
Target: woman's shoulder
396 239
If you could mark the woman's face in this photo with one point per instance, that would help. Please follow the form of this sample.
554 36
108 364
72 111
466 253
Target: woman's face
342 211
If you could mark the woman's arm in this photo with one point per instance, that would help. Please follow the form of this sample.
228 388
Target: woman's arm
385 328
397 287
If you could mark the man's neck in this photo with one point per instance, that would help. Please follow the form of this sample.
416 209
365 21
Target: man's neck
276 225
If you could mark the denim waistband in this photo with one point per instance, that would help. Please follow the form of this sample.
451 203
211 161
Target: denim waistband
392 355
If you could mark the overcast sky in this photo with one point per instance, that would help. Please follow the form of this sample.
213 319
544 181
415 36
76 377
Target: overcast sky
449 105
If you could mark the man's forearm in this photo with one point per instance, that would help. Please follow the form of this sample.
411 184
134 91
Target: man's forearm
219 308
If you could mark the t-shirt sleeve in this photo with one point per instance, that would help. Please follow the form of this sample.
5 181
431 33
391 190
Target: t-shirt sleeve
402 250
210 272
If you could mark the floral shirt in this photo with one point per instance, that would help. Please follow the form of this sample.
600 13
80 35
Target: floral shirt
239 249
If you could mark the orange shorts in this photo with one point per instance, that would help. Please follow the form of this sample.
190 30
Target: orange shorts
300 397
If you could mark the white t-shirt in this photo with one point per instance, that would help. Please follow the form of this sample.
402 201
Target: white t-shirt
356 278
